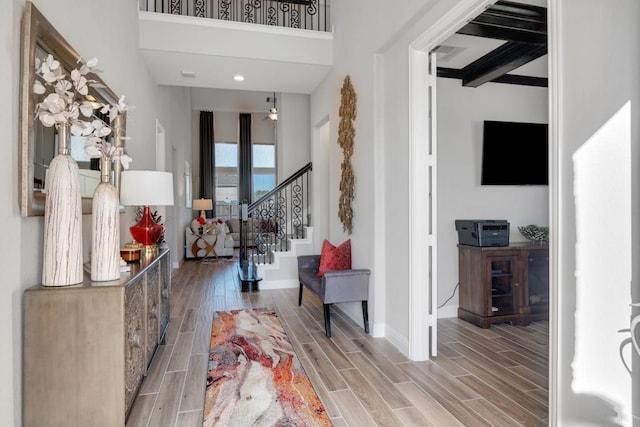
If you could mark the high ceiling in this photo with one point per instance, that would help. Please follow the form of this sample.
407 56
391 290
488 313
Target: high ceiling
507 43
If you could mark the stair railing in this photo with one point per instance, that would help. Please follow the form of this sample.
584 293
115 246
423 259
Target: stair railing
275 218
302 14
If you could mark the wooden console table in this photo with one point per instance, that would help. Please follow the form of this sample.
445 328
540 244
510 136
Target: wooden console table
87 347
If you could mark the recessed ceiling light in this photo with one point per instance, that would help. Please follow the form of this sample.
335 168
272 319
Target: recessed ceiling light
190 74
238 77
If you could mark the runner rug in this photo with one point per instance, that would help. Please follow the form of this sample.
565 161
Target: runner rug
254 377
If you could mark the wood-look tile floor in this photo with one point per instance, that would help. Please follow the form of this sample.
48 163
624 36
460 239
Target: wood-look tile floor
481 377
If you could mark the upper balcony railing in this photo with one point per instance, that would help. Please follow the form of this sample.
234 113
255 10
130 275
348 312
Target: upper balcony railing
304 14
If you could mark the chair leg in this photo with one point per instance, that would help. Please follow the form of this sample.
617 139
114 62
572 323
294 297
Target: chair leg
300 296
327 320
365 316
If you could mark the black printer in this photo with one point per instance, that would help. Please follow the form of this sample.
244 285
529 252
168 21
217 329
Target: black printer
483 232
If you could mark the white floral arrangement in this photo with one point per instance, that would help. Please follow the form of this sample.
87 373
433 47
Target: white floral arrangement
97 146
66 103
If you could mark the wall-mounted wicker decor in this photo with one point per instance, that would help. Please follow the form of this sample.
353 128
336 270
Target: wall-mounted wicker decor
346 132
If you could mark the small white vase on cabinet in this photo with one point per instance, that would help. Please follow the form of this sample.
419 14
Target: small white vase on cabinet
62 251
105 222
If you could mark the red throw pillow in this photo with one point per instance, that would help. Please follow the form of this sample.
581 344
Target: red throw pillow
335 258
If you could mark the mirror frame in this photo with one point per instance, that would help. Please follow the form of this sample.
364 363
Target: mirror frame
38 31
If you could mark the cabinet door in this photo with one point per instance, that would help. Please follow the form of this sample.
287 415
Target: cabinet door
153 307
165 290
538 281
134 320
503 293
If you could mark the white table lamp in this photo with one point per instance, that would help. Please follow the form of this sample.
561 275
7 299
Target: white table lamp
203 205
146 188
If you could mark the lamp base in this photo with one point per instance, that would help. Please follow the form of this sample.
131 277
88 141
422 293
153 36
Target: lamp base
149 251
147 231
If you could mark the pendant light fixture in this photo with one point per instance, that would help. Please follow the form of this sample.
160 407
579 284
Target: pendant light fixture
273 111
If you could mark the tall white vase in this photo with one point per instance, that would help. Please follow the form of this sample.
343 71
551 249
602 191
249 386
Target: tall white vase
62 253
105 221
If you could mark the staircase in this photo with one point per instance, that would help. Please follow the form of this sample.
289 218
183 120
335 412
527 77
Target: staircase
279 226
283 271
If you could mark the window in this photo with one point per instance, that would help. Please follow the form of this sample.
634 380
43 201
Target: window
226 179
264 169
227 158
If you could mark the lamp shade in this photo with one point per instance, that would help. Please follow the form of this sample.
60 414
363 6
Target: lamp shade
146 188
202 205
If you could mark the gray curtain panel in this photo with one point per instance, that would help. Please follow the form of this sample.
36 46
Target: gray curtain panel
246 162
207 158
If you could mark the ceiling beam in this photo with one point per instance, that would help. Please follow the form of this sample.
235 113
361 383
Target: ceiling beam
514 79
500 61
479 29
510 21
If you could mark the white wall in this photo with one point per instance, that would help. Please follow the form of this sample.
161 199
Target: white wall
126 74
461 112
294 134
17 231
597 218
362 30
244 101
173 114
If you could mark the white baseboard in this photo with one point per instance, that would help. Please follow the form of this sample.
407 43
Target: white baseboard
377 331
278 284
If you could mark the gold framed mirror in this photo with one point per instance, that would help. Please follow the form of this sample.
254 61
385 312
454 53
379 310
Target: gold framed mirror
37 142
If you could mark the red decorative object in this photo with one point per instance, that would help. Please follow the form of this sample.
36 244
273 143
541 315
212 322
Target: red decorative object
146 231
201 220
335 258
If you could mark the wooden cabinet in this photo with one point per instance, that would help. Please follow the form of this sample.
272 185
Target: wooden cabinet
87 347
503 284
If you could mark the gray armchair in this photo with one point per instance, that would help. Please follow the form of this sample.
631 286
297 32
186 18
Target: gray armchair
334 286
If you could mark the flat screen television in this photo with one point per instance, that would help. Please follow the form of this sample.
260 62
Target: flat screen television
515 153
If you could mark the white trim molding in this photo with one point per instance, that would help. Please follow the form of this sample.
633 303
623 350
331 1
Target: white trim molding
419 137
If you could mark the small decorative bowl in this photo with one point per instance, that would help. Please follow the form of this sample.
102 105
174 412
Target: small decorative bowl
535 233
131 252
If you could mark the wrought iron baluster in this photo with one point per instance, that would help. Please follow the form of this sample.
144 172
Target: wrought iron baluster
295 19
296 208
250 9
175 7
280 232
312 10
284 8
199 8
272 16
224 10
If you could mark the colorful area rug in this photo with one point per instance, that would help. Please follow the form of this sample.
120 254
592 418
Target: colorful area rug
254 377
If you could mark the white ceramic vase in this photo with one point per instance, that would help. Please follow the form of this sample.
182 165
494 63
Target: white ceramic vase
62 252
105 226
